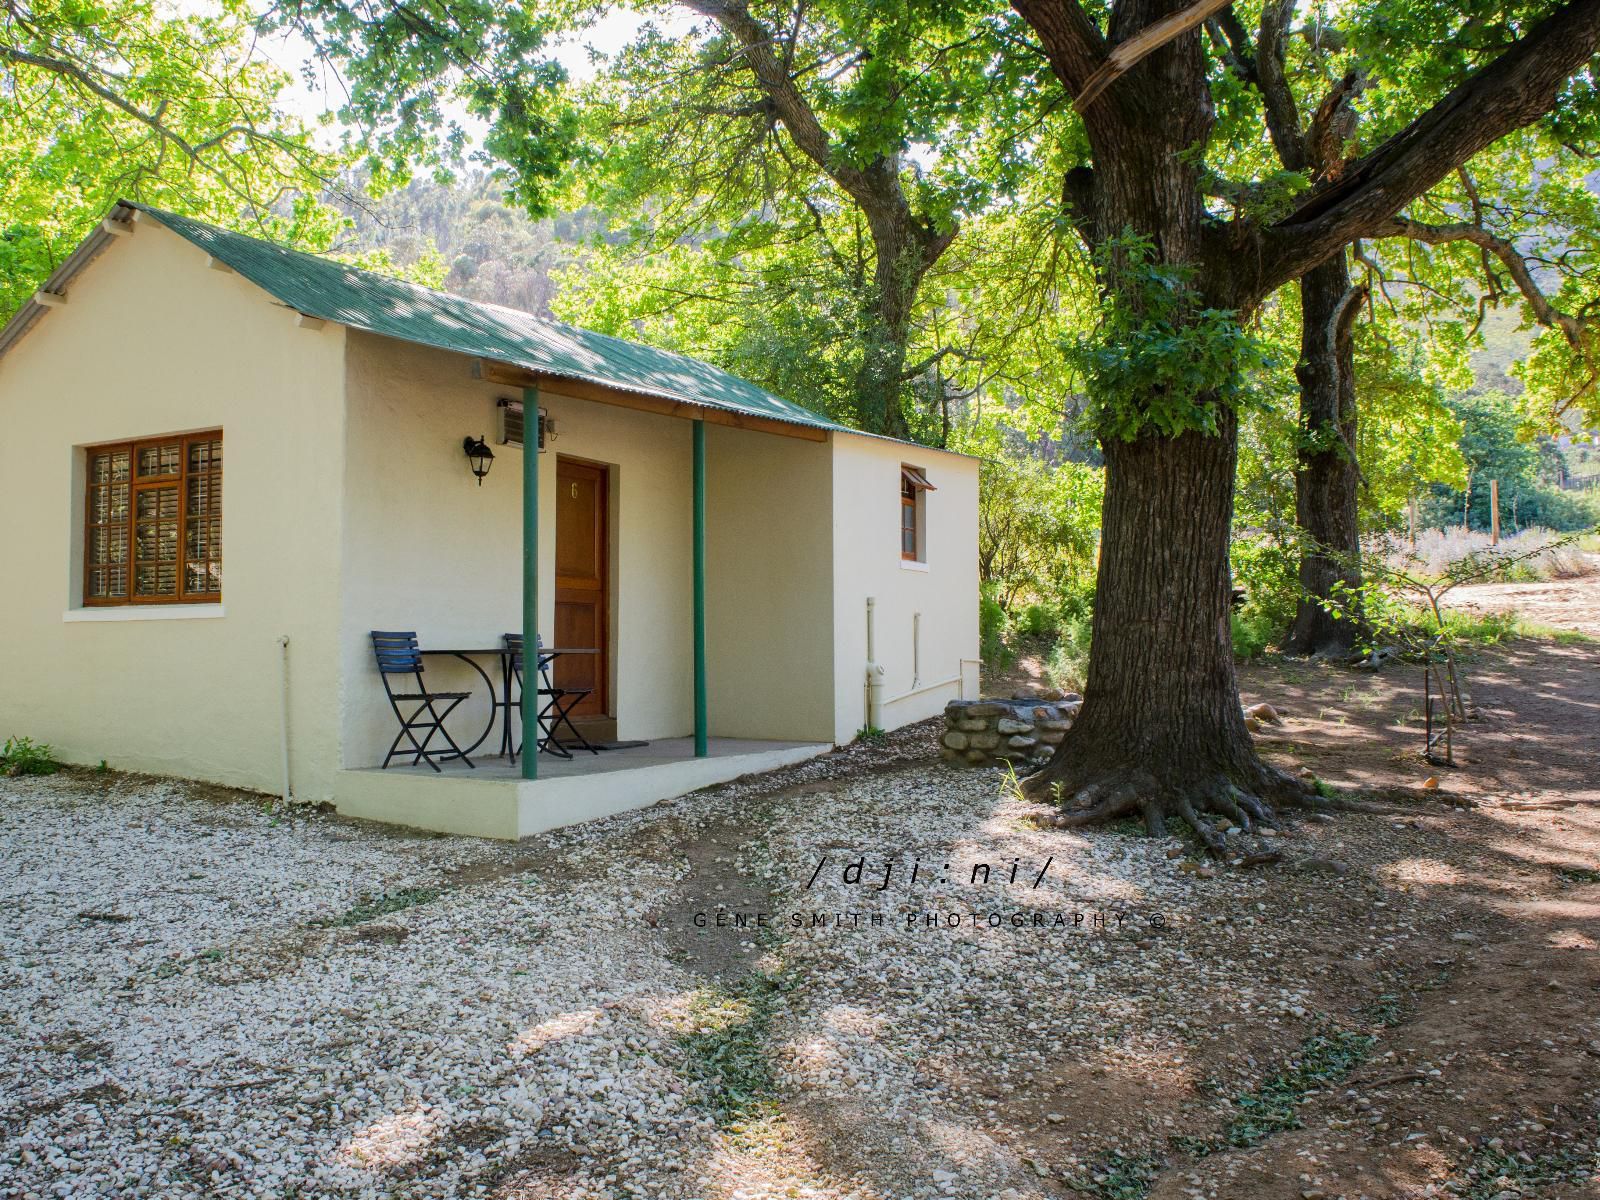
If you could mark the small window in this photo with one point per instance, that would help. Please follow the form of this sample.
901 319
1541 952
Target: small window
913 484
153 521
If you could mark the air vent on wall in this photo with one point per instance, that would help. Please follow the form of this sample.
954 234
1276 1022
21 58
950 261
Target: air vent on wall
511 423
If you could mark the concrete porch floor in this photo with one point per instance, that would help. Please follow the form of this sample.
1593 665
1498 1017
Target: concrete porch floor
634 758
493 800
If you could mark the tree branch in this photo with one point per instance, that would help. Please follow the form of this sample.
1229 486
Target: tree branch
756 44
1283 116
1127 54
875 187
1072 41
1517 88
1544 311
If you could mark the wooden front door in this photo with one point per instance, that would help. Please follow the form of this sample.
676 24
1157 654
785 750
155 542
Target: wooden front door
583 557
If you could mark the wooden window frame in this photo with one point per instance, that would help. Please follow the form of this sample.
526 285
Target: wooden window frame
180 478
908 511
913 483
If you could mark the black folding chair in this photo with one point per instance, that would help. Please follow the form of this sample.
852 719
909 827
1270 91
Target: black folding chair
555 704
397 654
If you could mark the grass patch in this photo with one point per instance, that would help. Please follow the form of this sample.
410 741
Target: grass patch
1322 1060
1554 633
1496 628
1579 874
1118 1177
380 905
725 1038
1494 1171
1481 628
1387 1010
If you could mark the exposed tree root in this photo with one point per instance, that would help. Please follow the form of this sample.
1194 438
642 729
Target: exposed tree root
1247 798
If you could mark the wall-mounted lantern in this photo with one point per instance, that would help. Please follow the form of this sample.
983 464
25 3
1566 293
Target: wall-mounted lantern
479 455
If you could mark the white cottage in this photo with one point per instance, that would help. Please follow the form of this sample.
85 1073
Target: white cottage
225 464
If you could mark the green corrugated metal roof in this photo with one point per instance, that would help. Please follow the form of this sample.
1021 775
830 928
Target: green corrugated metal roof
335 291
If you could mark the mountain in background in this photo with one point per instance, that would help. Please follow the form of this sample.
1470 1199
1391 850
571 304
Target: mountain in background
486 249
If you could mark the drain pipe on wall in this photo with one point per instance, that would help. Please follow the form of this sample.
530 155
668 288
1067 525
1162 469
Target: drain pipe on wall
283 740
916 649
873 686
917 688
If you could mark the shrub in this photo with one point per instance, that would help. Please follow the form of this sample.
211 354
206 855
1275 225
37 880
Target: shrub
1038 520
24 756
1036 621
991 628
1067 665
1253 632
1267 571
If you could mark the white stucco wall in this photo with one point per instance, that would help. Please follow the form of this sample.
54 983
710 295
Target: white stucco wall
769 575
939 598
427 548
152 341
348 506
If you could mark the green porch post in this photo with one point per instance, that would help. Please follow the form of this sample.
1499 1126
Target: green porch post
530 579
701 747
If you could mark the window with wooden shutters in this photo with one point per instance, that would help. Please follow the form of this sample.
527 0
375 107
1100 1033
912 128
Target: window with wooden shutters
913 483
153 521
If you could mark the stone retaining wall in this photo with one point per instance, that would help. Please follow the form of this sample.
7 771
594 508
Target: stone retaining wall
986 733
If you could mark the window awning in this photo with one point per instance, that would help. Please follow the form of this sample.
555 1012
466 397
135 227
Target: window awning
916 479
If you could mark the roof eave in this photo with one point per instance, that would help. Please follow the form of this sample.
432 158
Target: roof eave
513 374
86 252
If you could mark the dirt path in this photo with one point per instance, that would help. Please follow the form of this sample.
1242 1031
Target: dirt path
1408 1003
1481 1079
1559 603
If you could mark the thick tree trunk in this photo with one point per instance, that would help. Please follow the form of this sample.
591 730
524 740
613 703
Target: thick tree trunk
904 252
1327 474
1161 732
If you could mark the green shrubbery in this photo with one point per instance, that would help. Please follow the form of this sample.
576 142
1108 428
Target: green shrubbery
1060 633
1067 664
992 646
24 756
1495 448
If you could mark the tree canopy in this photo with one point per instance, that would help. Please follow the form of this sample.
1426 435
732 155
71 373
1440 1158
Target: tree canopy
121 99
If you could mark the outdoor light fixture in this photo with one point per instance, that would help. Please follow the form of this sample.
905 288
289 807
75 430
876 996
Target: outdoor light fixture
479 455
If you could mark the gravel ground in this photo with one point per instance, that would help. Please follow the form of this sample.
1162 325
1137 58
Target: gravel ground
195 1006
203 998
176 1023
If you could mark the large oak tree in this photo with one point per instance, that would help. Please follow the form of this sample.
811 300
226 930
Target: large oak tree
1160 732
1517 212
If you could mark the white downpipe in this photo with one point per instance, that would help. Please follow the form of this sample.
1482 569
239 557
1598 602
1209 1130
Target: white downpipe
872 688
874 699
916 649
283 726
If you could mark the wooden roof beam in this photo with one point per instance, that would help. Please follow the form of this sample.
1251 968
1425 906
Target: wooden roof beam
581 389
